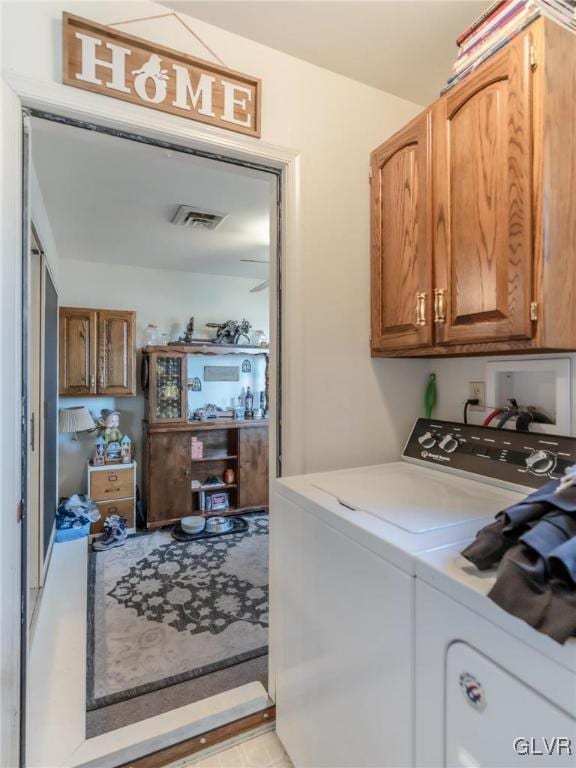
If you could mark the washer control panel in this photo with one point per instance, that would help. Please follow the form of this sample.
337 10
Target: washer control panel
524 458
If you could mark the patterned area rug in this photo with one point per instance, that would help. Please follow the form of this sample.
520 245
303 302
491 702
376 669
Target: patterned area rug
161 611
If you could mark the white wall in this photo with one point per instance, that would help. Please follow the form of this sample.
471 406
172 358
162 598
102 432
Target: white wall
355 410
168 298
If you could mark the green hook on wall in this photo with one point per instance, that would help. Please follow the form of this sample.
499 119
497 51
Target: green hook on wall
430 396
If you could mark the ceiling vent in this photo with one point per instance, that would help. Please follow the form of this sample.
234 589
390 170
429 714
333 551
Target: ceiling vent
196 218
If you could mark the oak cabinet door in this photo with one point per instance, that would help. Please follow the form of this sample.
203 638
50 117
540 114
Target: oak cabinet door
116 353
253 465
169 476
483 228
77 353
401 268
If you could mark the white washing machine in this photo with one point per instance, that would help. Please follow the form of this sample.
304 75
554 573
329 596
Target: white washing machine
343 598
491 691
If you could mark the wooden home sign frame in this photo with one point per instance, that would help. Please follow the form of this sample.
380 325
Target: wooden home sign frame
102 60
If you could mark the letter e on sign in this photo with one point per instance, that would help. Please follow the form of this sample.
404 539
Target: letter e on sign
103 60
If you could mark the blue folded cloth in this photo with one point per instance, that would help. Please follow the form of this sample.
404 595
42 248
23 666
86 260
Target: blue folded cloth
76 512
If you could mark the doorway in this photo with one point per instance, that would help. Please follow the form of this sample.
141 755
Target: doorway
79 280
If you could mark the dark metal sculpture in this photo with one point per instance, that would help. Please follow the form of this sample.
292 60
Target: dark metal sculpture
231 331
188 337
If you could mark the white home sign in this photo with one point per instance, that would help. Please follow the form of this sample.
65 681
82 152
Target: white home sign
102 60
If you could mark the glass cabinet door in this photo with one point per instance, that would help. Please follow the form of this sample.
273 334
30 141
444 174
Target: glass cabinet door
167 396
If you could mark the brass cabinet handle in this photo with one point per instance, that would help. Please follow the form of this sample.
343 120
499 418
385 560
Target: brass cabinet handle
420 308
439 305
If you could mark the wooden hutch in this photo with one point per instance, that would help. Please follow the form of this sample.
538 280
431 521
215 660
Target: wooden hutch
173 480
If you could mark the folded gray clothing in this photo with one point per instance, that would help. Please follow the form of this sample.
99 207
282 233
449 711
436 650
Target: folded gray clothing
534 543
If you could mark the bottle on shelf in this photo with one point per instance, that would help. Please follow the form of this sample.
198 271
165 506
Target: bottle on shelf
249 405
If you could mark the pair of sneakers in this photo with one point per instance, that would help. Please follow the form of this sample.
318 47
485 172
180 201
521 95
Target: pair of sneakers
115 534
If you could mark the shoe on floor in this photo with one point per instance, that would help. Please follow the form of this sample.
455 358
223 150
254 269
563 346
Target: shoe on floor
114 534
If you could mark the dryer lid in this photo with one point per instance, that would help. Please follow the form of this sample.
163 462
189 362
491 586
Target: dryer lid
415 499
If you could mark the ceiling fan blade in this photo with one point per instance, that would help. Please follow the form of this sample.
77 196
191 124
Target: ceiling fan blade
260 286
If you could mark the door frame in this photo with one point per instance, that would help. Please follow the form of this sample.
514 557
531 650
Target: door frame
127 121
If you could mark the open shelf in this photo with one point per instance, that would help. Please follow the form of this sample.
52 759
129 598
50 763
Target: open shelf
208 488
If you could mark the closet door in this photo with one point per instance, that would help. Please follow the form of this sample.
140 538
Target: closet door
77 351
401 268
483 227
116 353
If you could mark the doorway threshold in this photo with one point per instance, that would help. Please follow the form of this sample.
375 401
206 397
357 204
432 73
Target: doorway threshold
156 733
57 692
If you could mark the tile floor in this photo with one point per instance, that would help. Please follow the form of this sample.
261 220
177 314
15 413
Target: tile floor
263 751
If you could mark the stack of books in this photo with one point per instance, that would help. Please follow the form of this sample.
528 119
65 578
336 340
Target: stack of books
501 22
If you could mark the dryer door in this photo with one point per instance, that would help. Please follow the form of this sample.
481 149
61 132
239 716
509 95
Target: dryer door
495 720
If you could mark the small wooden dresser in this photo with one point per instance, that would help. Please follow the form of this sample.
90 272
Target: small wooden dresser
113 488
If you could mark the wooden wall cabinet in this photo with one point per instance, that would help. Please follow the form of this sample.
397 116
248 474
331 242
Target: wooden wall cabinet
491 166
401 239
97 352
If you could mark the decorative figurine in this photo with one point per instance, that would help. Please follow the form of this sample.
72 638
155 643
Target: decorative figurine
99 452
188 336
109 431
109 426
231 331
126 450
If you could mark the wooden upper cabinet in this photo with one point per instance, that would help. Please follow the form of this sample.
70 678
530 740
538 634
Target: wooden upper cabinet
482 220
116 346
97 352
401 270
77 351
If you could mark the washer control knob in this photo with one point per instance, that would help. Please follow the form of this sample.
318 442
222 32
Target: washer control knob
541 462
427 440
449 443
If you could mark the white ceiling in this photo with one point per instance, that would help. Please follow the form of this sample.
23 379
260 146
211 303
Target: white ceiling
111 200
405 47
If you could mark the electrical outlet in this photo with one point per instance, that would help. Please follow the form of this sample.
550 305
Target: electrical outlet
477 391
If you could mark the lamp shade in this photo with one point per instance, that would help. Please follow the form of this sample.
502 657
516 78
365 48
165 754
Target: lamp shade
77 419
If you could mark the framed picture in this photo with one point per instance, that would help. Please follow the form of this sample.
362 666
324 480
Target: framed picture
195 384
221 373
246 366
219 501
